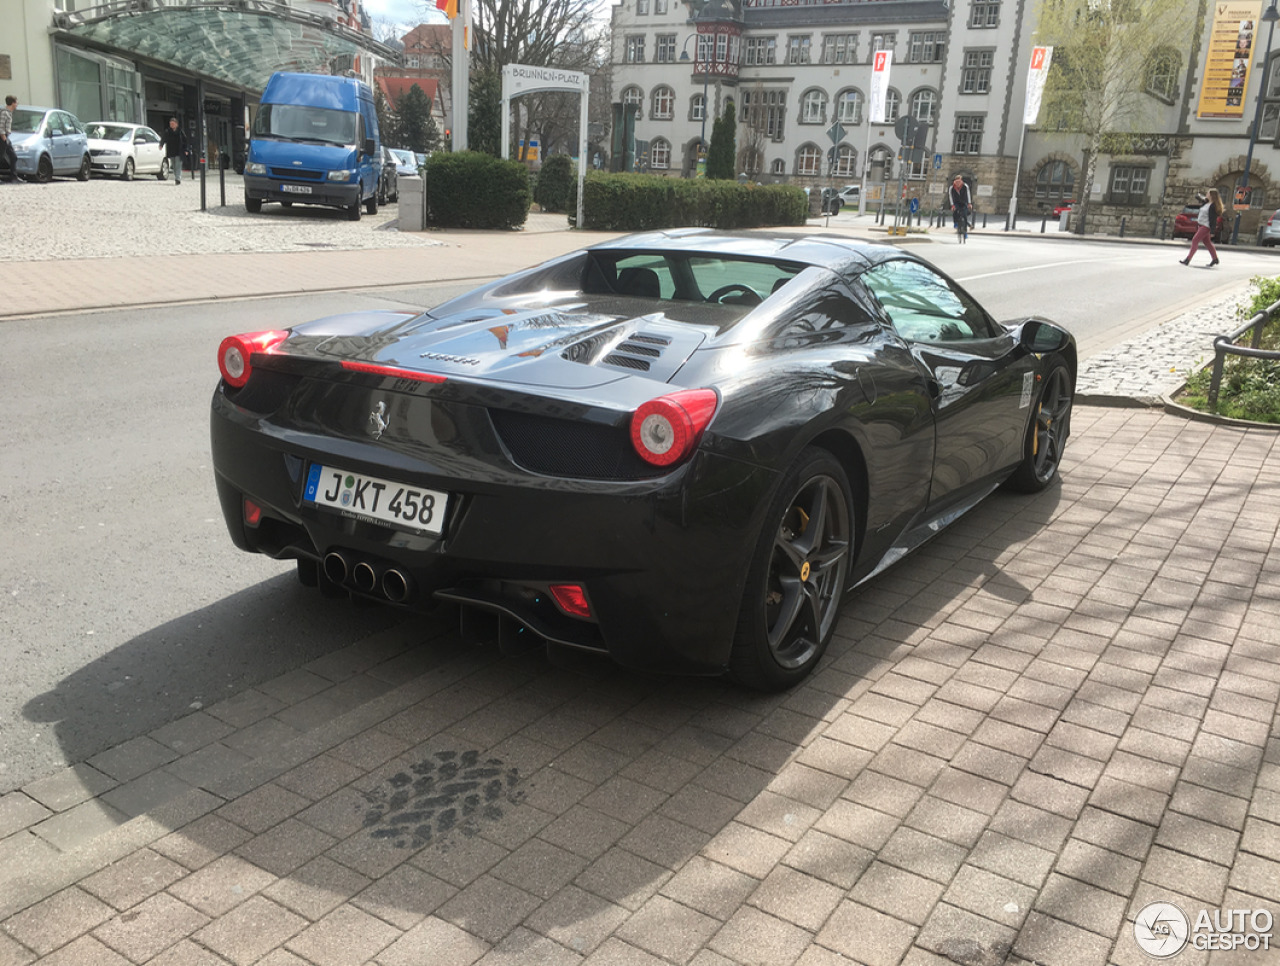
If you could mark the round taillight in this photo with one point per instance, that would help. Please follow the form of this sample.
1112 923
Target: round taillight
666 430
236 351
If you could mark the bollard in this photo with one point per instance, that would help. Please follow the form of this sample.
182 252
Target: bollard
1122 227
1044 220
222 182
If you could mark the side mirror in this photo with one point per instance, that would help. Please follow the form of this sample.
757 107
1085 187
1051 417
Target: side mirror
1040 337
369 147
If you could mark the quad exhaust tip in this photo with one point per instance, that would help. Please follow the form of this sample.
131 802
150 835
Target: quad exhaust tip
364 578
396 586
335 567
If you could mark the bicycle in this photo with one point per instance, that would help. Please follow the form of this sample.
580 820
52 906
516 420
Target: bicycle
961 218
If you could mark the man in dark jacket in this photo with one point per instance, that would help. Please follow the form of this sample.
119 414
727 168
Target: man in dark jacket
175 146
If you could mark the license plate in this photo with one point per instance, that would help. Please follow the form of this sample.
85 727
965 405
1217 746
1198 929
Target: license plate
296 189
367 498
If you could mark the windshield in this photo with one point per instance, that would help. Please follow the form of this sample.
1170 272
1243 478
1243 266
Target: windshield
110 132
294 123
405 157
26 122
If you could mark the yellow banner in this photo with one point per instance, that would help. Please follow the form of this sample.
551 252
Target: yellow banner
1229 58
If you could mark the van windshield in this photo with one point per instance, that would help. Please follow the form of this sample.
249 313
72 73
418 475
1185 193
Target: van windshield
294 123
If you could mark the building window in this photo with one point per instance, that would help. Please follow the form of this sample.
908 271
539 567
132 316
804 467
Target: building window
892 102
722 48
1055 181
660 153
697 107
642 8
813 108
846 162
660 7
839 48
665 48
917 170
798 50
761 51
968 134
849 109
882 41
779 167
764 111
984 13
1162 75
976 78
882 157
1270 127
923 105
633 95
809 161
412 63
927 47
705 47
635 50
1128 185
664 100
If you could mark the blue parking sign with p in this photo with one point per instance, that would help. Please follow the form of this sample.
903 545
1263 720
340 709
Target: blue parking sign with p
937 162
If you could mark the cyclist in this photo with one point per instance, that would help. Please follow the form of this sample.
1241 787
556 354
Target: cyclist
961 203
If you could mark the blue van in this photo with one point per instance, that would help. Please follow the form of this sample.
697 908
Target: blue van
314 141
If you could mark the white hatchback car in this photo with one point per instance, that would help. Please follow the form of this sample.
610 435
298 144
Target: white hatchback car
123 150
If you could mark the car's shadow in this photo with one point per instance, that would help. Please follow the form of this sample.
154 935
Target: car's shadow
568 795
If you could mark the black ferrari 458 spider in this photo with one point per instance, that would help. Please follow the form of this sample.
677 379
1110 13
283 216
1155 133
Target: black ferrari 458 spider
679 449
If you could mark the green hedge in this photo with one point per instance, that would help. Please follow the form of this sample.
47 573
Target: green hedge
473 190
554 188
638 202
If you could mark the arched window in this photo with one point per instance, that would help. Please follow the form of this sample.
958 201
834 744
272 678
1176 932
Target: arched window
660 153
809 160
882 157
1055 181
779 167
697 107
813 107
892 101
846 162
849 108
923 105
633 95
1162 74
664 99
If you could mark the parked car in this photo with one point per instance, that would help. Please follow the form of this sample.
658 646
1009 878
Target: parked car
1062 206
678 449
850 194
1186 222
406 162
388 178
123 150
831 201
49 142
1269 236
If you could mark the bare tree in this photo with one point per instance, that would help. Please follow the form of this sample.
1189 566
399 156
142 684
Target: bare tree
1103 55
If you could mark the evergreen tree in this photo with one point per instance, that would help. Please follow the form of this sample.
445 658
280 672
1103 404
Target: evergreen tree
388 123
723 148
417 129
484 118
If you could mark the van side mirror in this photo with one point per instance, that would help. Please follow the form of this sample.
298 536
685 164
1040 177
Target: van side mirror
369 147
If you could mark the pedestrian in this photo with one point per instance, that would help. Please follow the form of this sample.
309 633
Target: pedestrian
961 203
1208 221
175 147
6 129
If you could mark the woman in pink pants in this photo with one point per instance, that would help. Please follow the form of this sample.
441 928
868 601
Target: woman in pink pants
1208 220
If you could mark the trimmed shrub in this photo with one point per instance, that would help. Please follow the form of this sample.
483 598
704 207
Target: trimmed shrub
641 202
474 190
554 188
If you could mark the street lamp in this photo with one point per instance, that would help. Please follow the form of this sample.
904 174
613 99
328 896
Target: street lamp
706 76
1269 16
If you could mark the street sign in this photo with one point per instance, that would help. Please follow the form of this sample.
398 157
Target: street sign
937 162
915 205
905 128
836 132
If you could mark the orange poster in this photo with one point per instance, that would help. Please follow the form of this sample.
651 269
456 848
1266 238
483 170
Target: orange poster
1229 59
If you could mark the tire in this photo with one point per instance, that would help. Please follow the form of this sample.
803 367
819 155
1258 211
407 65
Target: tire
163 173
253 205
1047 434
86 168
371 205
44 170
797 577
353 212
128 170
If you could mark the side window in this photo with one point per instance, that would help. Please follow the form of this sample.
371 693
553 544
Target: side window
56 125
924 306
148 136
824 314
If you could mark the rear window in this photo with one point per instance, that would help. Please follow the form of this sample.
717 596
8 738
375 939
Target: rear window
687 276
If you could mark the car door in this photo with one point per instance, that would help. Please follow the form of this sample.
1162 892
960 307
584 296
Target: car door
980 381
147 150
59 142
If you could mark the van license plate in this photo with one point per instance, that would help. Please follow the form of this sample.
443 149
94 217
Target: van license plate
296 189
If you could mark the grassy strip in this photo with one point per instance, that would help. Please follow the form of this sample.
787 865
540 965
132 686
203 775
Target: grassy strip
1250 388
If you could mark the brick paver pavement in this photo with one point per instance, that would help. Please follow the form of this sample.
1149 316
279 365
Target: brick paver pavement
1059 711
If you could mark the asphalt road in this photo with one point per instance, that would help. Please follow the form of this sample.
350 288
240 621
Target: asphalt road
124 603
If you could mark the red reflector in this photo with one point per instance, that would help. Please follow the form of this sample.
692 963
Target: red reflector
252 513
571 599
394 371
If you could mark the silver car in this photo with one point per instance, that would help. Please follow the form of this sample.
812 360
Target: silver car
1269 234
47 142
123 150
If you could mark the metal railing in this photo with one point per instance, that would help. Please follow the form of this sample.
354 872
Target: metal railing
1225 345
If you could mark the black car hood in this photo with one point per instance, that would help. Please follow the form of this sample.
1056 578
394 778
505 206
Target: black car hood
582 344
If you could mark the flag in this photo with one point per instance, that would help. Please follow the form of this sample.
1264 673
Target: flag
1036 76
450 7
881 61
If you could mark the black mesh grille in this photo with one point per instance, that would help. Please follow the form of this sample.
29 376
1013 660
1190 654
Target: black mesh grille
562 447
626 362
265 392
